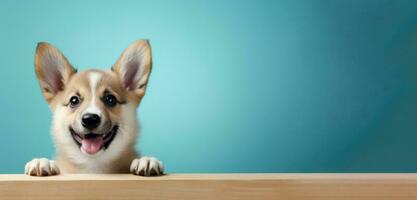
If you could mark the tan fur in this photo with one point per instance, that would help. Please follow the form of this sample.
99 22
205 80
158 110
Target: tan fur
79 83
63 82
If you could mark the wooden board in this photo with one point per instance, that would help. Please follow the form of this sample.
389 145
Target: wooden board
211 186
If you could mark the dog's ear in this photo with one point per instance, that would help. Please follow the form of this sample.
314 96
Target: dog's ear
52 69
134 67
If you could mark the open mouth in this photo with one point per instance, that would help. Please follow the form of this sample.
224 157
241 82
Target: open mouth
92 143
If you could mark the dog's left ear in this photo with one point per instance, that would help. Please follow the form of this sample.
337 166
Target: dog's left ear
134 67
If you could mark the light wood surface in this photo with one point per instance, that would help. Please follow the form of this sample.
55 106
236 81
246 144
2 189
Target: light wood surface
211 186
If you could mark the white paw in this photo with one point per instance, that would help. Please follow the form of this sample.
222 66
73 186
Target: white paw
147 166
41 167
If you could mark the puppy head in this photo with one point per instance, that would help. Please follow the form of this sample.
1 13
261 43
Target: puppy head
94 110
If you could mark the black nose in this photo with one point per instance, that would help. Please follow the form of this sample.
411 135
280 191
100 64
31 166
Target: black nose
90 121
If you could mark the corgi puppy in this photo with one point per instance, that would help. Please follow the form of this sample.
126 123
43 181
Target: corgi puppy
94 125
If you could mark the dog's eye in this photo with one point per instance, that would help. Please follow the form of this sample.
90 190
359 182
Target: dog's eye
74 101
110 100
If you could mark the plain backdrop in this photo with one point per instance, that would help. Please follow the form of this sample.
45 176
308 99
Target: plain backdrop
237 86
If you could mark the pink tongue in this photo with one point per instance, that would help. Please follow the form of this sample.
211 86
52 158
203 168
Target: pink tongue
92 145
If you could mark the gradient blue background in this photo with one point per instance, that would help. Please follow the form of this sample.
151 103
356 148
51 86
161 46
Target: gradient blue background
237 86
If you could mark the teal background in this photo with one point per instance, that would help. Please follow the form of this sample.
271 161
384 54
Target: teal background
237 86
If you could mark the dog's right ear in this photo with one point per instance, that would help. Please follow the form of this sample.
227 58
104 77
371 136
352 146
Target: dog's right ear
52 69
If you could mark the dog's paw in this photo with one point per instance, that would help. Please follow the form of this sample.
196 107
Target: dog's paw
147 166
41 167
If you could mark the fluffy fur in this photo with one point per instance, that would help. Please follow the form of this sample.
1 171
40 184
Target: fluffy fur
72 95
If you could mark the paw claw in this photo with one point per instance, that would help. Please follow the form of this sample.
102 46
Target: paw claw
146 166
41 167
